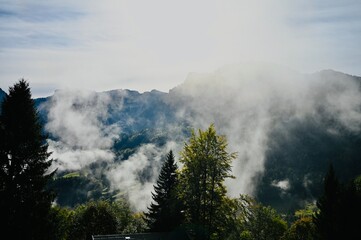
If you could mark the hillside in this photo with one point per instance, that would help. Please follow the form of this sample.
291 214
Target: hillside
2 95
286 128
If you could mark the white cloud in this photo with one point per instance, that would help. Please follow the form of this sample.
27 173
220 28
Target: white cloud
75 121
144 45
283 184
135 176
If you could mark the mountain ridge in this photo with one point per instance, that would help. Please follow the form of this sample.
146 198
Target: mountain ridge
285 126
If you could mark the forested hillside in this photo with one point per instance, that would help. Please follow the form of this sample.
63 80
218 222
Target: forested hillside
309 179
286 128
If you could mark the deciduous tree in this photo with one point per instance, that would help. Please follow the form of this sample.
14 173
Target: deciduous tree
206 164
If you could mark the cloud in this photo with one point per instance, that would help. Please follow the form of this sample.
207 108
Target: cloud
136 176
248 102
75 121
245 102
80 136
284 185
153 45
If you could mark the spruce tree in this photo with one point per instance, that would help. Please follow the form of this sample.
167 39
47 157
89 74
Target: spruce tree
327 218
164 213
24 200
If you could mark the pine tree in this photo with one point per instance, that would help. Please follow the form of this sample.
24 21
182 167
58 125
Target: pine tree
24 201
164 213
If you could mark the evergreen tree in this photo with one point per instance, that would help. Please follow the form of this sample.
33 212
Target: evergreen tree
339 207
350 210
164 213
206 165
326 219
24 201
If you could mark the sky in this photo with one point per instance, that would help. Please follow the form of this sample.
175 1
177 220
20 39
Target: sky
145 45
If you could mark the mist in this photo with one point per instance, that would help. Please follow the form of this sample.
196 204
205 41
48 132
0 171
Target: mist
246 102
79 137
135 177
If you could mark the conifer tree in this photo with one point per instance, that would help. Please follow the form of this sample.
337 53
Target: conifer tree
326 219
24 201
338 207
164 213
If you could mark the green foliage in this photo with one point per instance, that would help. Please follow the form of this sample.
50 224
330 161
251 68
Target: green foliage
206 164
303 226
252 220
308 211
301 229
136 224
60 223
265 223
24 201
245 235
92 219
357 183
164 213
104 217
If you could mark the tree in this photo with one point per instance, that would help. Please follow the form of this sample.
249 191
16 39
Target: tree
338 208
164 213
93 218
263 223
239 212
137 224
350 202
252 221
206 164
104 217
266 224
326 219
61 220
302 229
24 200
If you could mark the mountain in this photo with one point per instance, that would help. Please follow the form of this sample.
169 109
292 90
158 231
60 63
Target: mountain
2 95
286 128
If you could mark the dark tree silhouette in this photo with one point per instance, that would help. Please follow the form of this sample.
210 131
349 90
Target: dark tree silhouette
164 213
350 211
329 207
24 201
94 218
339 208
